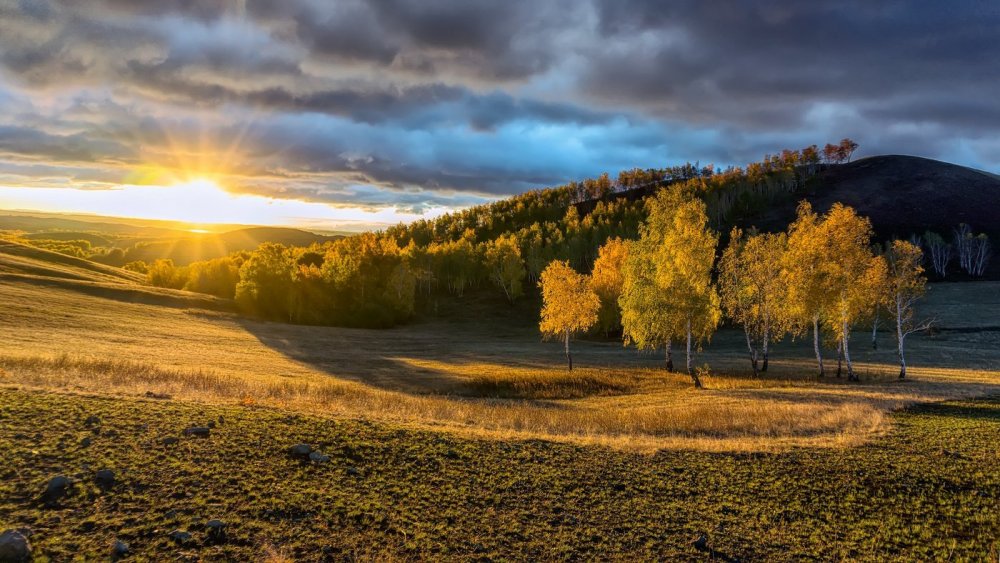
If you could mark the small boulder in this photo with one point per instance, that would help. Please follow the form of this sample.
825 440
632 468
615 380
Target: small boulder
198 431
181 537
92 420
85 443
15 547
57 488
353 471
216 531
119 550
105 478
300 451
169 440
317 457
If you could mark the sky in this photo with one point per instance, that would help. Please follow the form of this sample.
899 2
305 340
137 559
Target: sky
355 114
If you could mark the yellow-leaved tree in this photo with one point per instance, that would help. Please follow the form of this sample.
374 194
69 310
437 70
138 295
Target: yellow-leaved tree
804 273
506 268
905 285
855 276
607 280
648 321
676 251
753 291
569 305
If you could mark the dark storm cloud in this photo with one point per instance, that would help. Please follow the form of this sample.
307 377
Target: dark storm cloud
430 99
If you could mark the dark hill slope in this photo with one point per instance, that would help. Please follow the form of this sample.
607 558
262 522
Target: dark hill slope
208 246
902 195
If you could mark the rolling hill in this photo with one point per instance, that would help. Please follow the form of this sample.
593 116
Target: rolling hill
902 195
206 246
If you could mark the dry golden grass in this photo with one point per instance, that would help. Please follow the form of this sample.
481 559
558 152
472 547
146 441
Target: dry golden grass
486 381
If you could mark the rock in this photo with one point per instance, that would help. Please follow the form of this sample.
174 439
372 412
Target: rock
92 420
353 471
211 424
85 443
301 451
317 457
222 419
198 431
15 547
105 478
119 550
57 488
700 543
181 537
216 530
169 441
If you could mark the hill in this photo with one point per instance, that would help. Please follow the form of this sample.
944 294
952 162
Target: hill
902 195
207 246
27 265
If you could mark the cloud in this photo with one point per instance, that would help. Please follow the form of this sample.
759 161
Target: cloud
431 103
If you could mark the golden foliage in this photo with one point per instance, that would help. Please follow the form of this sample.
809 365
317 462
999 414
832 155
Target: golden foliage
569 303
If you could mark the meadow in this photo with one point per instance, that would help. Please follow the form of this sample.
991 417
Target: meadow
496 379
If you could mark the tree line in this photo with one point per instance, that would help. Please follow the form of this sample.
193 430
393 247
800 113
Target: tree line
823 276
366 280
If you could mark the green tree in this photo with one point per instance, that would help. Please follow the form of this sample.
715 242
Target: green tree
504 264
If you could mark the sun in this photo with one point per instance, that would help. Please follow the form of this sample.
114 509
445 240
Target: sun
203 185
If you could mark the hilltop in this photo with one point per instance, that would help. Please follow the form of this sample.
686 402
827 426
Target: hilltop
902 195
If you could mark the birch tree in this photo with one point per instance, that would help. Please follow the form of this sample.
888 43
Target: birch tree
753 291
684 262
648 321
940 252
905 285
569 305
607 280
503 260
855 275
804 272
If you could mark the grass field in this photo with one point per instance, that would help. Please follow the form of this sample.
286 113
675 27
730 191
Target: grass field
928 490
498 379
467 438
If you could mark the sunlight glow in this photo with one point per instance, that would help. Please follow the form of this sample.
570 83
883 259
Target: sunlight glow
203 201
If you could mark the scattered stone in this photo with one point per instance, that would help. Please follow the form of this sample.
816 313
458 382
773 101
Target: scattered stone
92 420
317 457
216 531
119 550
700 543
211 424
353 471
169 440
15 547
198 431
105 478
20 436
181 537
301 451
85 443
111 434
222 419
57 488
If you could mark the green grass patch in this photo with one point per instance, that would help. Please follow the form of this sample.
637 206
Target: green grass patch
928 491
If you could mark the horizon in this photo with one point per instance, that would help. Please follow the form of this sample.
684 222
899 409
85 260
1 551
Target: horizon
359 115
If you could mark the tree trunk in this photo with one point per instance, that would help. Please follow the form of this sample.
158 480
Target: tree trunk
767 336
690 367
753 351
819 356
851 376
900 338
569 359
670 357
875 331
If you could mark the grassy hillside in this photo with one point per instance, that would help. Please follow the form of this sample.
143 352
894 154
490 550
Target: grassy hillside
926 491
29 266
